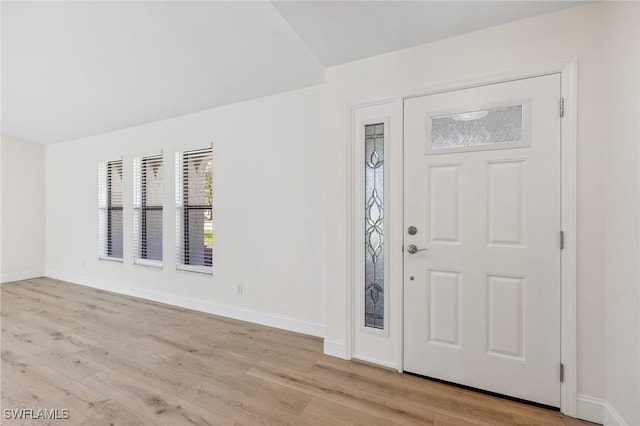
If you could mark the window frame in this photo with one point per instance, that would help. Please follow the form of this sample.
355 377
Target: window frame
140 208
183 209
106 209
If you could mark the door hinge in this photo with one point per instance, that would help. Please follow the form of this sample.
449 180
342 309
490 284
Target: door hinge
561 373
561 240
561 107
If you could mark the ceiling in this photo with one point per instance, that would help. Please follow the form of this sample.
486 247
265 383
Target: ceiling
74 69
344 31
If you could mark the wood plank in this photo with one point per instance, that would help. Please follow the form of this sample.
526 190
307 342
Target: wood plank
322 411
156 406
114 359
248 400
338 393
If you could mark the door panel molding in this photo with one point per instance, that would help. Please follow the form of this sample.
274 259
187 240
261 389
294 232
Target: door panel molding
568 70
501 200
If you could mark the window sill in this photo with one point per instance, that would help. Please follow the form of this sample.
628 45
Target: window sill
110 259
195 268
150 263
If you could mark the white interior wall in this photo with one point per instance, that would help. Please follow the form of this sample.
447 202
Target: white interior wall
269 221
570 33
1 144
621 83
280 201
23 190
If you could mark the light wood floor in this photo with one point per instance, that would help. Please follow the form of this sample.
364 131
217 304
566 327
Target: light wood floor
112 359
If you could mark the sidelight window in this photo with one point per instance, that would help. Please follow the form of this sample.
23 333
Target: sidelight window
374 226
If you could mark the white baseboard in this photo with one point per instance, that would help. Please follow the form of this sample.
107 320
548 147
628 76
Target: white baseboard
19 276
598 411
611 417
376 362
335 348
338 349
590 408
243 314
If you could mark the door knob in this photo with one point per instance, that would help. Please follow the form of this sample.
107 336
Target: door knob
412 249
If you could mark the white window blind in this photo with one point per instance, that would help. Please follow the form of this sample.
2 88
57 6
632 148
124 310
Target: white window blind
110 210
147 210
194 202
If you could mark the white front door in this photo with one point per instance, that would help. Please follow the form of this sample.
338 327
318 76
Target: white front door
482 196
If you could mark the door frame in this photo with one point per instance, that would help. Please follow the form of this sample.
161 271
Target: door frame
568 71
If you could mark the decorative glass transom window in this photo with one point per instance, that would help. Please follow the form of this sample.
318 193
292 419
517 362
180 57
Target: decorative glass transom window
480 128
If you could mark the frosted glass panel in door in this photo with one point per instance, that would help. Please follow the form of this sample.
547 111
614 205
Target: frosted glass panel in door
478 129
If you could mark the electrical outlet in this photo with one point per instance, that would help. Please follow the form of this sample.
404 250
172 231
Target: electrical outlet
240 289
84 264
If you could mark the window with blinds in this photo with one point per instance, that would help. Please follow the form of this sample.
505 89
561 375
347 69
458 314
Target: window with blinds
194 202
110 210
147 210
